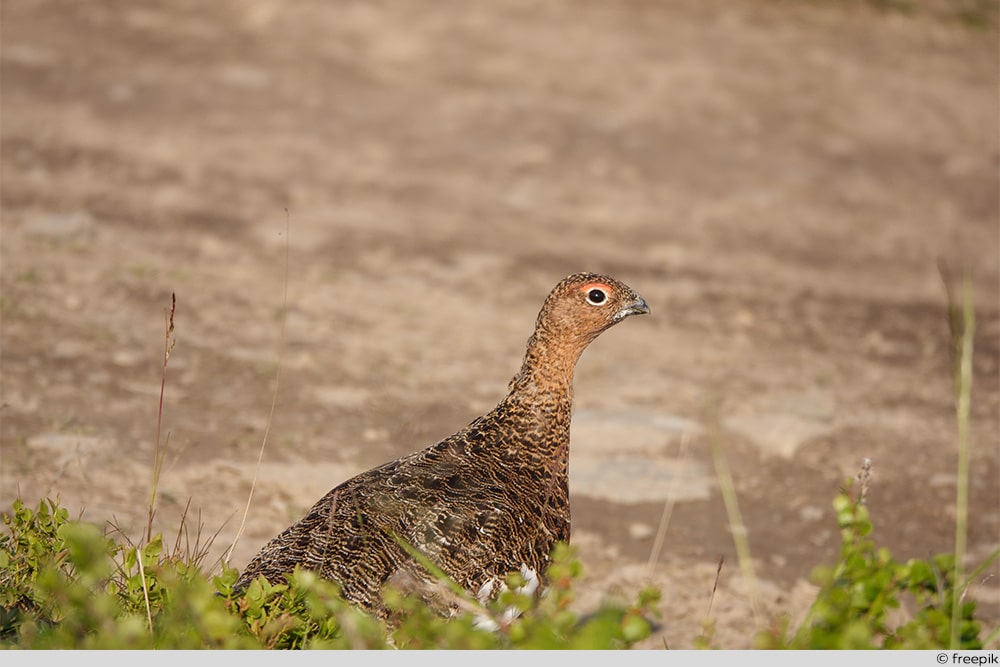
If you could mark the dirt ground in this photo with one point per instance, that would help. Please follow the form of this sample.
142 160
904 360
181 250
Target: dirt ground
778 179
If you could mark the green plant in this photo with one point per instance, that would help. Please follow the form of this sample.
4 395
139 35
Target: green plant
526 621
32 544
857 594
305 613
67 584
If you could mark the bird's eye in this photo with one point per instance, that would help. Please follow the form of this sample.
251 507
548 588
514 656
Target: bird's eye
596 297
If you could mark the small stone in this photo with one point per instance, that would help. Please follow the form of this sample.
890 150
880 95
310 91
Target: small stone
29 55
810 513
64 447
71 225
341 397
375 434
637 479
243 76
640 531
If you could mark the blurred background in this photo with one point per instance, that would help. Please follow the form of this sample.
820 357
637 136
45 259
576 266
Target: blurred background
782 180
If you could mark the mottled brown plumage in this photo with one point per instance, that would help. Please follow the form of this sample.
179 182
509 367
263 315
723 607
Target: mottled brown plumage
488 500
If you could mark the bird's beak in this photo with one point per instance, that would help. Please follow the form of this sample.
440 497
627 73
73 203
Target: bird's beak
637 307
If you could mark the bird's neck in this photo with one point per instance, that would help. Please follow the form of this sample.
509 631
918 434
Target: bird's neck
546 376
542 394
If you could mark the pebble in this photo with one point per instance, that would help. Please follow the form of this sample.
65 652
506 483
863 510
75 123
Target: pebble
67 446
72 225
637 479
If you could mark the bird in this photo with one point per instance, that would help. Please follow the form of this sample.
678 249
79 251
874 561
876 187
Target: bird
491 499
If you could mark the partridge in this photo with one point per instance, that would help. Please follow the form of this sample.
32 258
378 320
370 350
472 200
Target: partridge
489 500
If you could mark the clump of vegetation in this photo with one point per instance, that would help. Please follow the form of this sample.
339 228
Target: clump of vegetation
67 584
858 594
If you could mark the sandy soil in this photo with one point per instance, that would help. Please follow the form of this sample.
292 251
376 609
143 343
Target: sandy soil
778 179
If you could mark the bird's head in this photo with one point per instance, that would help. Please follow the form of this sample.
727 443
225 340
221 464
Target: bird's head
583 305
